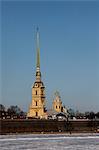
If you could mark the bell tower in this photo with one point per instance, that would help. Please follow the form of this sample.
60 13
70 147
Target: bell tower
57 103
37 107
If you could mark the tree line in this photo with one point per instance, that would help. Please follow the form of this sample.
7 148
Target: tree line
86 115
13 112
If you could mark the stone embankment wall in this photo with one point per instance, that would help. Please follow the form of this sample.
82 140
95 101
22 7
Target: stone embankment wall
50 126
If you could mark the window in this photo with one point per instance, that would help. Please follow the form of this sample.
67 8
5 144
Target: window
56 106
36 103
36 113
36 85
41 92
59 107
36 92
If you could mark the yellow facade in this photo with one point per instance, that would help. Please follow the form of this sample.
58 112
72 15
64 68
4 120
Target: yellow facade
57 104
37 107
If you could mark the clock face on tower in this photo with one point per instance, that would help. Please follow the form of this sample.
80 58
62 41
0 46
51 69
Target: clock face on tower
36 85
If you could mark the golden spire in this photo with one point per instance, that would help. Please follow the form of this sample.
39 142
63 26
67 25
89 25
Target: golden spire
38 73
38 50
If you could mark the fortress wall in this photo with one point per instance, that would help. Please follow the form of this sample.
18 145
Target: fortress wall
32 126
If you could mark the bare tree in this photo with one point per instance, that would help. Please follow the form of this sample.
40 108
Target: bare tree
2 107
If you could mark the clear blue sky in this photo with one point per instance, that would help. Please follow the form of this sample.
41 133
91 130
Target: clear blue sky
69 47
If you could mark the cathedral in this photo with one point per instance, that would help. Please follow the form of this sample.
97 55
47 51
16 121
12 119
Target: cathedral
37 107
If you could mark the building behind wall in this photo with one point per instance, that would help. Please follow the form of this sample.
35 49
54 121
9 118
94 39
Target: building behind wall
57 104
37 106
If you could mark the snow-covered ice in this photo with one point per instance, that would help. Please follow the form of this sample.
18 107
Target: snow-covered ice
49 142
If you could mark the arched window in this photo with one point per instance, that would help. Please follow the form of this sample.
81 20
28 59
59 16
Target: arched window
36 113
59 107
36 103
56 106
36 92
41 92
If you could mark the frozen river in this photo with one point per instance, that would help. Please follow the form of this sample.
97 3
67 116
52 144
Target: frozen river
50 142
